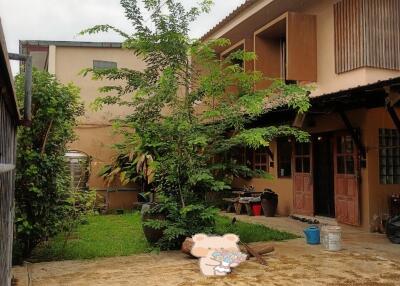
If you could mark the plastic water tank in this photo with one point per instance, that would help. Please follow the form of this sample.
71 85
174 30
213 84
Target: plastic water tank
78 164
332 237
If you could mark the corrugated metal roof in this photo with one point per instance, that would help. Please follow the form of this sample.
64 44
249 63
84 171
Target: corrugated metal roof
70 44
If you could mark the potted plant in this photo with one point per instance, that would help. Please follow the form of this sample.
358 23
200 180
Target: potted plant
269 202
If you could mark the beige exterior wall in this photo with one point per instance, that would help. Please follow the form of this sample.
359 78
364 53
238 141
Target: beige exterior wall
373 195
327 80
95 133
70 61
378 193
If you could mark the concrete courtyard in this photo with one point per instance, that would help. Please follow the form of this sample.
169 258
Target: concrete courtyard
366 259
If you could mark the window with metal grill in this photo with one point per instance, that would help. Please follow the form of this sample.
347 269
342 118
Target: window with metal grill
97 64
260 159
389 156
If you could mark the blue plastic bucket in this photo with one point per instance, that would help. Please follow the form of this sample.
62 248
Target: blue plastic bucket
312 235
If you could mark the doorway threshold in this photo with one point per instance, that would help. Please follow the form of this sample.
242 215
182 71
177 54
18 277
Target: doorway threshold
321 219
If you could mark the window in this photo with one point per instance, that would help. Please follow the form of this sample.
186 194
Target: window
238 155
104 64
345 155
389 156
284 158
302 158
260 159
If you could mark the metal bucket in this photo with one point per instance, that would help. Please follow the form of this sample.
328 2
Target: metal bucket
78 164
332 237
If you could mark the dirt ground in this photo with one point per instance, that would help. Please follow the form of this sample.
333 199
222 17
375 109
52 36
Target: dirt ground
367 259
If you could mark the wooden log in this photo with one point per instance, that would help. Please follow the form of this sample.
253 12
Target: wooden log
254 253
260 248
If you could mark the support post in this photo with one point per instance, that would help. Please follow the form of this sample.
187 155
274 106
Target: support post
299 120
28 85
353 133
270 154
393 96
393 114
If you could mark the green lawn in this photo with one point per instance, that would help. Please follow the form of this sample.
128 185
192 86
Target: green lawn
121 235
249 232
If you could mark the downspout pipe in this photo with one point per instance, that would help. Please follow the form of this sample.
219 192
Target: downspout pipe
27 120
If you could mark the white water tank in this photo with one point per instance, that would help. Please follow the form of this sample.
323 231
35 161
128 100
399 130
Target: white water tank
78 164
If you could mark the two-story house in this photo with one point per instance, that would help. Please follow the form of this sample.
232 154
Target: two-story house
349 50
95 135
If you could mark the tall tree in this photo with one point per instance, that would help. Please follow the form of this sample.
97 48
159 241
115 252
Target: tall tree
190 108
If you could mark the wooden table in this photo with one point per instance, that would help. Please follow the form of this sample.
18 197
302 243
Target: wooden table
237 204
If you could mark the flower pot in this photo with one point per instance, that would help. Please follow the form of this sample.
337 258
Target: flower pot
152 235
269 202
256 208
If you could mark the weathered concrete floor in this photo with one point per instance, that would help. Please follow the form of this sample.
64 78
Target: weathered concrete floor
367 259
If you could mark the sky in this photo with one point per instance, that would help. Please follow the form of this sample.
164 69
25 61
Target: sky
62 20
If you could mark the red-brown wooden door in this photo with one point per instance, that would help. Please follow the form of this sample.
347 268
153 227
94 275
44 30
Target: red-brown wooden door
303 191
347 185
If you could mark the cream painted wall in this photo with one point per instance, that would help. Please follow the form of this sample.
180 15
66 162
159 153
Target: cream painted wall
327 80
71 60
282 186
95 134
373 196
378 193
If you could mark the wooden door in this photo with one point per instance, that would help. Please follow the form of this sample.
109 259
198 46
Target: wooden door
346 180
303 191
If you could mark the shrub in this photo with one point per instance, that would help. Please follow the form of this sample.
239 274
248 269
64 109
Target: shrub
43 198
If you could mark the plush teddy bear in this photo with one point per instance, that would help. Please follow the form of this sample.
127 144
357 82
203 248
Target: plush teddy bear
217 253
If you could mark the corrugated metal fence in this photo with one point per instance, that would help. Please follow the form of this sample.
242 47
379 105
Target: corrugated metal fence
7 156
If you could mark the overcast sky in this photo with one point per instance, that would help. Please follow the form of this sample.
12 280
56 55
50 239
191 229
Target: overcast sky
62 19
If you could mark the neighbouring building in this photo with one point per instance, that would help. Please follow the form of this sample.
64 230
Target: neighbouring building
9 120
95 134
350 51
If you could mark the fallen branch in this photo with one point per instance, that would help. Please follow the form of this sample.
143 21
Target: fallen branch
254 253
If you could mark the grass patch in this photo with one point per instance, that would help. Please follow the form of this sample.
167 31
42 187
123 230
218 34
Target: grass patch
122 235
249 232
102 236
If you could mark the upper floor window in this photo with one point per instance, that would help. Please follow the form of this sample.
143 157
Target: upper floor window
97 64
389 156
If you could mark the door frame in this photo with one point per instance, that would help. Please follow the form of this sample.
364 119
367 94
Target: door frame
308 209
314 138
357 166
357 180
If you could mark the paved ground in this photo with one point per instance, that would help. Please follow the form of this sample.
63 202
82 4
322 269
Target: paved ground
367 259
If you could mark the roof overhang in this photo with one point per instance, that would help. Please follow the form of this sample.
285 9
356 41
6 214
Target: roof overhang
368 96
40 43
250 16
